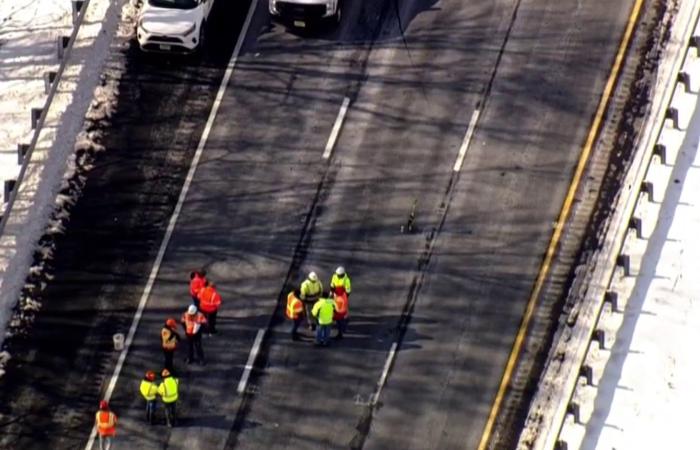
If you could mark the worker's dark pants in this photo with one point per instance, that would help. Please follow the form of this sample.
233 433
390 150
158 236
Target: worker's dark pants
150 410
308 306
211 321
194 344
295 325
195 301
168 360
322 334
170 413
342 325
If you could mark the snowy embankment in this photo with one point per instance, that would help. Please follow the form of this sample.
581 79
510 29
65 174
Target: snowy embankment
85 96
29 30
644 390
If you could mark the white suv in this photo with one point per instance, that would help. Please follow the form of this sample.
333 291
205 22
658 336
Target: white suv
172 25
300 12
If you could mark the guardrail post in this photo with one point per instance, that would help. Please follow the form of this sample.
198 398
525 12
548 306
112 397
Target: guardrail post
62 44
624 262
76 7
660 151
49 78
599 336
684 79
9 187
648 188
561 445
672 113
35 113
611 297
695 42
586 371
575 410
22 150
636 225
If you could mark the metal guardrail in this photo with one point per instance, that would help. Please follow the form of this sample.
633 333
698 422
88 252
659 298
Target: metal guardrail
38 115
555 399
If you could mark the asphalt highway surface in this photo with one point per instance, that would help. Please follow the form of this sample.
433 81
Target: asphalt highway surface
442 252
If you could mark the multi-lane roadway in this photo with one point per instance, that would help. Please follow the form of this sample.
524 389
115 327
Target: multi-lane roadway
470 115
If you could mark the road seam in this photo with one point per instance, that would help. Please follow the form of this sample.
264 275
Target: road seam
173 219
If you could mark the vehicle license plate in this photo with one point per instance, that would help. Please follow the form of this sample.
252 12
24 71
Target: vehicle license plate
299 23
164 47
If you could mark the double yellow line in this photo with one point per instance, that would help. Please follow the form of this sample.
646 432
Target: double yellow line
563 216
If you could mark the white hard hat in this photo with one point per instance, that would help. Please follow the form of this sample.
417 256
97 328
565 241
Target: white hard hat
313 276
192 310
340 270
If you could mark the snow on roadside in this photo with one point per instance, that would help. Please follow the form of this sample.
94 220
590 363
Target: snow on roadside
102 87
29 30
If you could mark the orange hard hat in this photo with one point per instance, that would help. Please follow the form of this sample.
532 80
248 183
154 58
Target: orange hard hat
150 375
104 404
171 323
165 373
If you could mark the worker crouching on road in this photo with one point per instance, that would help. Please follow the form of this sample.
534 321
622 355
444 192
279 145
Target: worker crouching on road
106 424
295 312
209 303
149 390
168 391
323 311
193 320
169 339
197 280
310 291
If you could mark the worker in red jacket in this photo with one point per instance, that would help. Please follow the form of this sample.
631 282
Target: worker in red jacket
341 313
209 303
197 280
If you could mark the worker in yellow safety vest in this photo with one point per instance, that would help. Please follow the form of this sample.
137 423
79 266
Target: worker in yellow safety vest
168 391
294 312
310 291
149 390
323 311
340 281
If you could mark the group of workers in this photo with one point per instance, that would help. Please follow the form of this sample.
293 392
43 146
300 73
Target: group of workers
320 308
200 317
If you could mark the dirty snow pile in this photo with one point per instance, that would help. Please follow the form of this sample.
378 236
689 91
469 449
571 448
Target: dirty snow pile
81 110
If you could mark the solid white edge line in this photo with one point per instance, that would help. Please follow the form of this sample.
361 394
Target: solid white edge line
467 140
385 373
251 360
176 213
336 128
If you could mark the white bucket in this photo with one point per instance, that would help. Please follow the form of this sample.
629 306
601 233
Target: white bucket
118 342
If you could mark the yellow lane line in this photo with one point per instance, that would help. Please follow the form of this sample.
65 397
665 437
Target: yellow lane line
558 229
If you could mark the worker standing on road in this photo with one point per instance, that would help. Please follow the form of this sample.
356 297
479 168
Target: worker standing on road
168 391
197 280
340 281
311 290
169 340
323 311
342 311
106 424
193 320
209 303
295 312
149 389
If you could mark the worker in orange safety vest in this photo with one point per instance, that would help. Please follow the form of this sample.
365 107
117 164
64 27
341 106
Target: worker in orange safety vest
295 312
209 303
197 280
169 338
340 316
106 424
193 320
